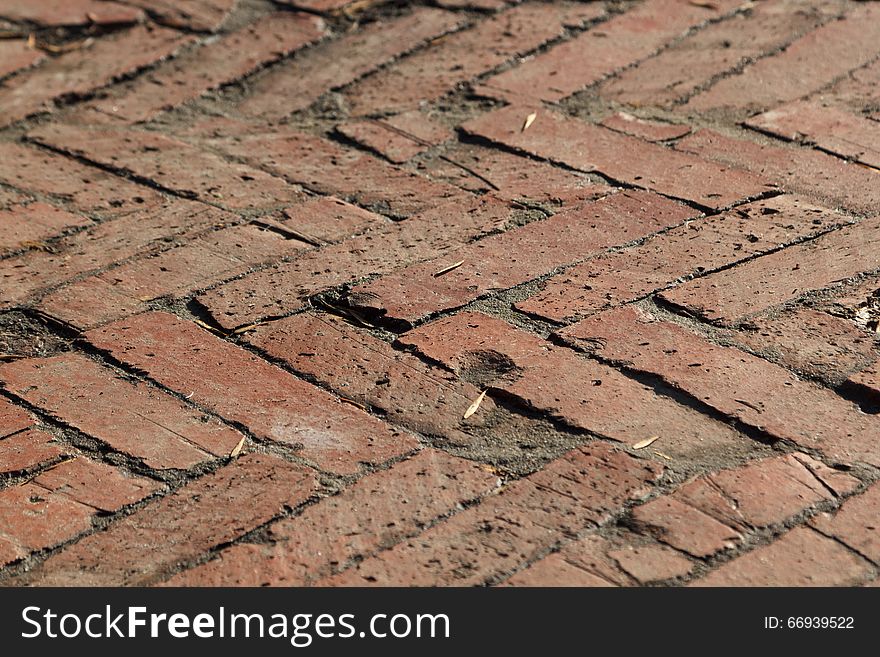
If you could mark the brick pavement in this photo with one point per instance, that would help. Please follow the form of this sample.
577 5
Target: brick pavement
440 293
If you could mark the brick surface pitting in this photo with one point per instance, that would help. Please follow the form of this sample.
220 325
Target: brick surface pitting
459 292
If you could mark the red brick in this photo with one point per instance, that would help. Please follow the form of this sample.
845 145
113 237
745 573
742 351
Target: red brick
592 148
684 68
651 563
859 90
558 382
810 342
607 47
245 389
831 129
328 219
207 512
33 518
683 252
494 263
867 381
364 369
104 244
808 172
801 557
805 66
327 168
685 527
84 70
28 449
375 513
742 386
285 288
584 562
173 164
199 15
297 84
85 188
647 130
473 4
70 12
322 6
96 484
855 523
123 290
765 492
131 418
400 137
726 297
24 225
582 489
17 55
219 62
13 419
430 73
513 177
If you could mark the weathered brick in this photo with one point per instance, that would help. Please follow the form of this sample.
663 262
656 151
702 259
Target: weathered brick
99 246
26 225
198 15
765 492
809 172
207 512
173 164
84 70
297 84
96 484
867 381
600 51
557 381
831 129
651 563
859 91
16 55
327 168
430 73
131 418
212 65
322 6
510 176
806 65
742 386
86 188
810 342
648 130
123 290
582 489
400 137
328 219
684 68
685 527
33 518
855 523
595 149
13 419
375 513
503 261
245 389
422 397
726 297
584 562
70 12
28 449
683 252
802 557
284 289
